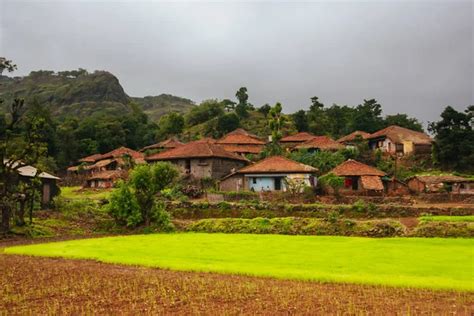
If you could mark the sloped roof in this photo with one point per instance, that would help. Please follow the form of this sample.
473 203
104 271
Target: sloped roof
355 168
121 151
166 144
441 179
321 142
250 149
91 158
197 149
277 164
107 175
353 135
300 137
116 153
371 183
240 137
30 171
400 134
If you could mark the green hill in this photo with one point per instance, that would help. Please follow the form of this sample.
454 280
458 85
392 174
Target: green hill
80 94
156 106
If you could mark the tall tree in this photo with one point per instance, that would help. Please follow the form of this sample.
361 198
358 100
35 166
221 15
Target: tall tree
242 107
454 139
367 116
276 123
300 120
404 121
317 119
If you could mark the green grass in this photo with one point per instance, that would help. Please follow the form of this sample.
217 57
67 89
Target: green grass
429 218
409 262
75 193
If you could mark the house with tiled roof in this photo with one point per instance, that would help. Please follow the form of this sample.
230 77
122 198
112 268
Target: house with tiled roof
318 143
242 142
359 178
169 143
399 140
121 158
274 173
350 140
291 141
105 179
201 159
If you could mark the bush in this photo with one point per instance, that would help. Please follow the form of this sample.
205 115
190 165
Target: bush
124 207
444 229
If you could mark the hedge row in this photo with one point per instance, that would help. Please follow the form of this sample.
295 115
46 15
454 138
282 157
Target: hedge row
359 209
299 226
336 227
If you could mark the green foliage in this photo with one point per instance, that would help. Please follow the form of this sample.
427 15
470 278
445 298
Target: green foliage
404 121
157 106
124 206
207 110
300 120
444 229
367 117
227 123
170 124
323 160
332 181
134 202
265 109
454 139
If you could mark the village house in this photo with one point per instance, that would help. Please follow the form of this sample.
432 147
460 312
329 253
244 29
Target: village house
359 178
351 139
318 143
275 173
49 182
105 179
291 141
242 142
442 183
201 159
169 143
399 140
116 159
119 159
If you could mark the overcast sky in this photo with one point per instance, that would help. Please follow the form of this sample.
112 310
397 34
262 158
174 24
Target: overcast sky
412 56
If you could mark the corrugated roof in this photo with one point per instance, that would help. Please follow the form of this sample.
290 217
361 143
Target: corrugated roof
300 137
277 164
371 183
353 135
399 134
240 137
321 142
355 168
30 171
197 149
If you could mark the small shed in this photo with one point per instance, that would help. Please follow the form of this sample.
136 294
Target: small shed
318 143
441 183
49 182
360 178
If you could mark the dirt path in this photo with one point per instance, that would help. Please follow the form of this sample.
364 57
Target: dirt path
57 286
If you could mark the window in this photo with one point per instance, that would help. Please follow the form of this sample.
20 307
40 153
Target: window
347 182
254 180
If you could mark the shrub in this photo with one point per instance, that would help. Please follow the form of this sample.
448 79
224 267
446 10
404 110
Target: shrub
124 207
295 226
444 229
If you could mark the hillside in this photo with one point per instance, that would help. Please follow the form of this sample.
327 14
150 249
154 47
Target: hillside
156 106
80 94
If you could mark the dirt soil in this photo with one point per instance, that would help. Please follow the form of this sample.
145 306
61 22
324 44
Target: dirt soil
31 285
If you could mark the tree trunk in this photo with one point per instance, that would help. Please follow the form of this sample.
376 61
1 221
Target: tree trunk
5 225
21 213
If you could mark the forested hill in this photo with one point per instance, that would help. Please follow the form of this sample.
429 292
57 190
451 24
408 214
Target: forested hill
157 106
78 93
